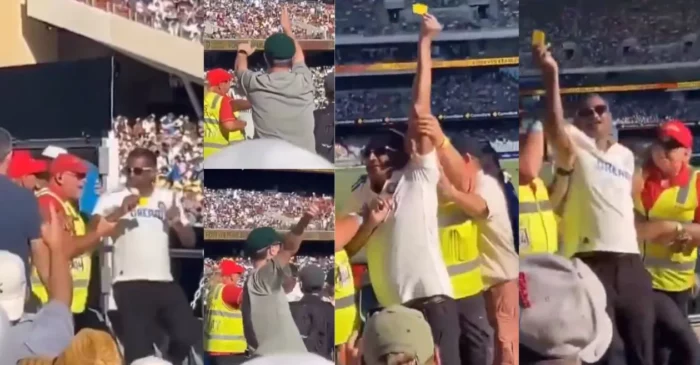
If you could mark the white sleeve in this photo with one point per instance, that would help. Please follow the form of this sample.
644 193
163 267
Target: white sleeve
104 205
424 167
490 190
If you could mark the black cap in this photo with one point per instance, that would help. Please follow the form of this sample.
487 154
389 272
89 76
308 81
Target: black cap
312 278
389 137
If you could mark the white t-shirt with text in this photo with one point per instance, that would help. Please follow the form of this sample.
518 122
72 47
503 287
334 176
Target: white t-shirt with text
599 210
141 241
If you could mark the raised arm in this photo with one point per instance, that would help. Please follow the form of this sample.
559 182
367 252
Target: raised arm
554 125
531 152
292 240
287 28
422 83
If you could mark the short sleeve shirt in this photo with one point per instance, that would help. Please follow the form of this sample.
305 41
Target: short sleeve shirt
44 334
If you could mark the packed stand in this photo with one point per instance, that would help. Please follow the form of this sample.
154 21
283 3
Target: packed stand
319 75
182 18
348 149
614 33
638 108
245 209
453 94
371 18
257 19
177 142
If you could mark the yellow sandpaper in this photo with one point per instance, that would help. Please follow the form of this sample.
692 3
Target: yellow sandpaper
538 38
420 9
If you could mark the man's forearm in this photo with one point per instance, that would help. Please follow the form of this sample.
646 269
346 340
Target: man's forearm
554 122
293 238
422 93
241 104
241 63
84 244
360 239
454 167
472 204
558 191
185 234
60 281
298 52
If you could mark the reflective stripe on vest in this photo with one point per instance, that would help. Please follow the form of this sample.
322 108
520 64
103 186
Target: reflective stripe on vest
81 266
670 270
538 231
346 314
460 251
223 331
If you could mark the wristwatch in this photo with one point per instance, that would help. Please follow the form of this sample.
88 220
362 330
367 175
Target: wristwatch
242 51
562 172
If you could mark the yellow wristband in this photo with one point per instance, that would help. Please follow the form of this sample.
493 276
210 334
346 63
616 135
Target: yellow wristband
445 143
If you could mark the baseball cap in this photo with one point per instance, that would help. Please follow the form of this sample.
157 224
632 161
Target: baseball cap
566 314
279 46
68 163
397 329
230 267
677 131
261 238
151 360
312 277
52 151
218 76
13 281
22 164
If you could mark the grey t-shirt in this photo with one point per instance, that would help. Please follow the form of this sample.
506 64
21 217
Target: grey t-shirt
267 320
283 104
47 333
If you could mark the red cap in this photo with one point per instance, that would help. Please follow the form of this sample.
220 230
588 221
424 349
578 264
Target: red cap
230 267
23 164
677 131
68 163
218 76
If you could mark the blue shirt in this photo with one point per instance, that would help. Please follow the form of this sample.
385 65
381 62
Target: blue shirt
90 192
21 221
45 334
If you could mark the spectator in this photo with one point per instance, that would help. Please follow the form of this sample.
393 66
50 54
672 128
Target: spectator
220 124
306 359
312 315
244 209
88 347
24 170
50 331
282 97
324 118
151 360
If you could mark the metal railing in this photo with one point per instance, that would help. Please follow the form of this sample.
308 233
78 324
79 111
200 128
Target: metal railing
125 11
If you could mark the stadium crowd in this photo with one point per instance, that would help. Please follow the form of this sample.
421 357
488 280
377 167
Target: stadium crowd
487 92
178 17
597 33
370 18
257 19
177 143
245 209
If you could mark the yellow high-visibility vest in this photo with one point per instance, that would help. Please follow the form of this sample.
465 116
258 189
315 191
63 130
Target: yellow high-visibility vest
460 251
213 139
223 332
346 313
80 266
537 222
672 272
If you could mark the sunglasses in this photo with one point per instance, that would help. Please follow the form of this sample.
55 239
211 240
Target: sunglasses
78 175
588 112
137 171
377 151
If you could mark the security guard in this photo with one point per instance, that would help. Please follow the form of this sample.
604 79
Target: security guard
537 222
224 340
67 178
220 123
346 315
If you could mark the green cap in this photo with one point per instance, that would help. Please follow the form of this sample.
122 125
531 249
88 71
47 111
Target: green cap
397 329
261 238
279 46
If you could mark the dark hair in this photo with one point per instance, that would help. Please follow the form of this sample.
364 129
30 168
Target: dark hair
491 165
281 63
144 153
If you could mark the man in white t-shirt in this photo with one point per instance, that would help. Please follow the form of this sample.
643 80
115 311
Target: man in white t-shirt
145 293
598 214
403 253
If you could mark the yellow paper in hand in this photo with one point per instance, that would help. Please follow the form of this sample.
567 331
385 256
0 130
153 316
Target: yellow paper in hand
143 202
538 38
420 9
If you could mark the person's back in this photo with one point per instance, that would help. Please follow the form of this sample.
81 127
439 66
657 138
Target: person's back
283 105
314 318
21 220
267 320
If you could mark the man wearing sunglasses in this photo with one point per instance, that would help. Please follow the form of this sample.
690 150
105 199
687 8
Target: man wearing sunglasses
598 216
66 180
146 295
668 212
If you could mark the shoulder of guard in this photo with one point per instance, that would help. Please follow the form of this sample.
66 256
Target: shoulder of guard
360 181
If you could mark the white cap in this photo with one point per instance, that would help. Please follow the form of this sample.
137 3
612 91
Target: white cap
151 360
53 151
306 359
13 285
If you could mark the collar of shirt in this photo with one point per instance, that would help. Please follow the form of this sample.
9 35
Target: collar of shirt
655 183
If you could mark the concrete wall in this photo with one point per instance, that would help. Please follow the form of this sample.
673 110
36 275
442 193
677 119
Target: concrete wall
24 41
